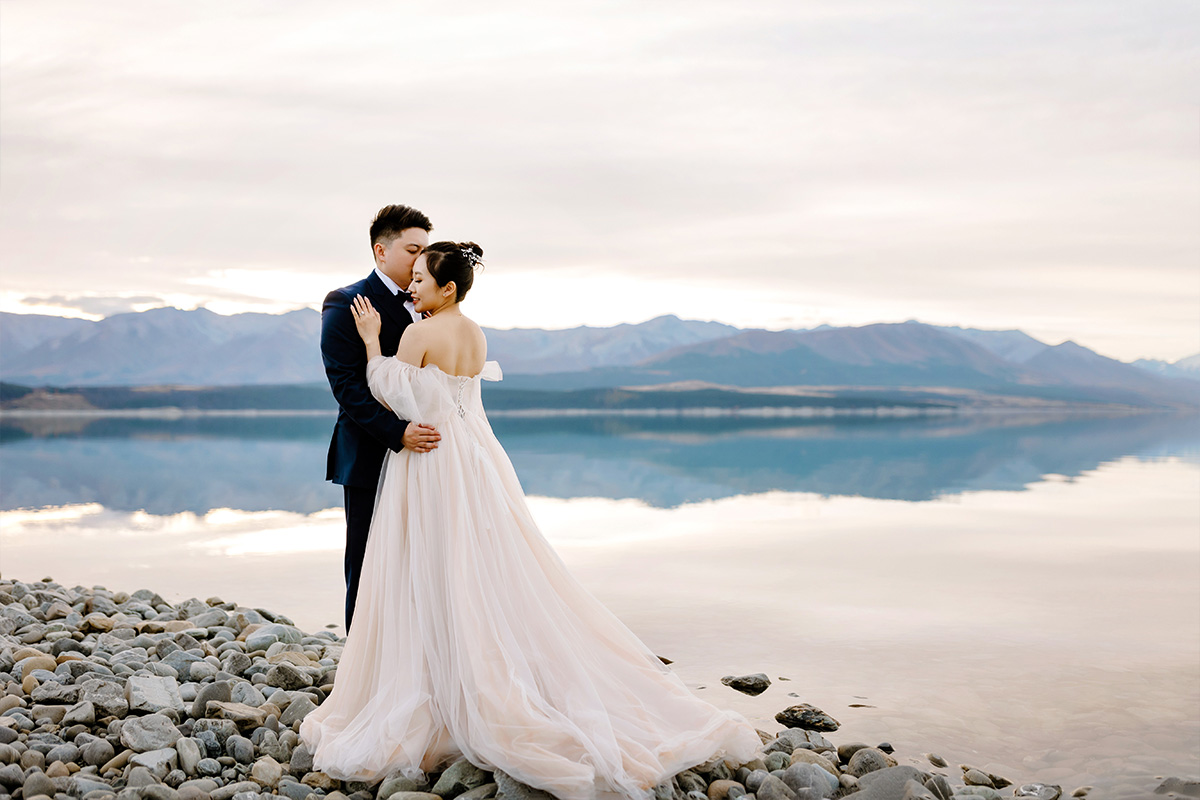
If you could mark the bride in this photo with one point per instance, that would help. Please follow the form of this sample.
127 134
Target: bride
470 636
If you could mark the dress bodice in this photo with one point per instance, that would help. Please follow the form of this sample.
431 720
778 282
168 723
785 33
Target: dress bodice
426 394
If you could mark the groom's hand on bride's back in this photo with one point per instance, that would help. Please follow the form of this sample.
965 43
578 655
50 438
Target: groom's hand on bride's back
421 438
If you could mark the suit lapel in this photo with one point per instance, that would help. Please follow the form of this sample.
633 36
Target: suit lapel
386 302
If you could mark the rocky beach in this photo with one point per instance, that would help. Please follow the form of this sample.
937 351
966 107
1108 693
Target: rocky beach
116 694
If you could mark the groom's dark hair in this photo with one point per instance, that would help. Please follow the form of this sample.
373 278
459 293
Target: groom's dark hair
392 220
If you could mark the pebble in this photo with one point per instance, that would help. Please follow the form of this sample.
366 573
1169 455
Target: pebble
201 700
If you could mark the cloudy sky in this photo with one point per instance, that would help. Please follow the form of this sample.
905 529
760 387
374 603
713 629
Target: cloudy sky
771 164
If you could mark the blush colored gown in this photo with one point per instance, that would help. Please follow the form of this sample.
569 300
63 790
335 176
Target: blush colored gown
471 637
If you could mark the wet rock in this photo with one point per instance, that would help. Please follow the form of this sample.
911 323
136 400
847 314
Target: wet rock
393 783
809 781
936 760
459 777
977 777
865 760
752 685
807 717
509 788
1175 786
1048 791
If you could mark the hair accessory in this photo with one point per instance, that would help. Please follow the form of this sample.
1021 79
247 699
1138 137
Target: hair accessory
471 256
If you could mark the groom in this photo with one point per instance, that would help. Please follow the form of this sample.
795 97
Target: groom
365 430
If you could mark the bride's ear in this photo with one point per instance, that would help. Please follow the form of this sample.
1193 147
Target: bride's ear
449 289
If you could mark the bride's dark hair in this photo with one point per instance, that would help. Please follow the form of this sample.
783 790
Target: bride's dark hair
453 261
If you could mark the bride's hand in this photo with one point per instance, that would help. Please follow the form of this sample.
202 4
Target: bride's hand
366 319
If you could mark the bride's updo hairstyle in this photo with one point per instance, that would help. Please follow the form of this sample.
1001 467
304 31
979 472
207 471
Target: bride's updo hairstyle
453 261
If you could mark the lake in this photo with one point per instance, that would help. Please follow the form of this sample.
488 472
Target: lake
1015 592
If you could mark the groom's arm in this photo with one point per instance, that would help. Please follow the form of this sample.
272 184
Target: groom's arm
346 367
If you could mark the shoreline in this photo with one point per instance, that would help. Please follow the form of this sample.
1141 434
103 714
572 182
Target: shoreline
141 699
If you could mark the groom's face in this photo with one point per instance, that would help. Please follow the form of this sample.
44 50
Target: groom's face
396 257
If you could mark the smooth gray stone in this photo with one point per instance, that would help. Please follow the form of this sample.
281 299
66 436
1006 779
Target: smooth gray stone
459 777
212 618
509 788
159 762
301 762
221 728
940 787
891 783
217 691
297 710
83 713
152 732
397 782
288 676
236 663
241 748
773 788
294 791
37 782
776 761
158 792
97 753
1047 791
248 694
805 777
208 767
865 761
484 791
189 754
65 753
82 784
227 792
140 776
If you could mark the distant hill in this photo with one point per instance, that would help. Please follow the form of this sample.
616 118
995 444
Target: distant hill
170 347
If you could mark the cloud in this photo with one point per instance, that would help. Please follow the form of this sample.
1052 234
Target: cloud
96 306
993 161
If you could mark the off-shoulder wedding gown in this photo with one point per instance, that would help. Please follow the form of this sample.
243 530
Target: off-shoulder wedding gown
471 637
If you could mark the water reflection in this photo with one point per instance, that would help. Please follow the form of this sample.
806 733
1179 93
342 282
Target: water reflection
260 463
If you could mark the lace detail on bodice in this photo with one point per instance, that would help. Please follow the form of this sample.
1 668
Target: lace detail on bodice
426 394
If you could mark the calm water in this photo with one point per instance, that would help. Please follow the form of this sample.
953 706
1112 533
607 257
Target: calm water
1016 593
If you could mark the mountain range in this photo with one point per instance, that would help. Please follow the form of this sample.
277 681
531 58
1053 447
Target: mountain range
168 346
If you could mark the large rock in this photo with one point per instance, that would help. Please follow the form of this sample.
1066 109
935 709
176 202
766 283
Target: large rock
266 771
509 788
297 710
157 762
246 717
459 777
80 714
890 782
217 691
108 699
153 732
189 754
267 635
288 677
807 717
868 759
748 684
809 781
148 694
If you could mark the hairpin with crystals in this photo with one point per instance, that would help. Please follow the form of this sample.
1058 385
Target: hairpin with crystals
472 257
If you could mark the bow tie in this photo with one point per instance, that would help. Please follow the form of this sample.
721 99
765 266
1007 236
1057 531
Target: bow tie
403 296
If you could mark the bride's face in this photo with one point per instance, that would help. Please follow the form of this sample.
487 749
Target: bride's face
426 294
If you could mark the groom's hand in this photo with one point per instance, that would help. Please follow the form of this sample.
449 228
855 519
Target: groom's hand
421 438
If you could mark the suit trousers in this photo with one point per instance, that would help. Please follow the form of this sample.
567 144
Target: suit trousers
360 505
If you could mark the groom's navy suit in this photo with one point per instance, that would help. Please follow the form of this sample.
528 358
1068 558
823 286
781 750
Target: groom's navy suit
365 430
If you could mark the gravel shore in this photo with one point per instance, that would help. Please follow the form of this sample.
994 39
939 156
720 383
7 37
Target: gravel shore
111 694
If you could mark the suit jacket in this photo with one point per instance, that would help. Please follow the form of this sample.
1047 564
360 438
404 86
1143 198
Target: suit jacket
365 430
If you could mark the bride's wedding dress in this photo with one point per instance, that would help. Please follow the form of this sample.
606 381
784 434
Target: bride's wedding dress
470 636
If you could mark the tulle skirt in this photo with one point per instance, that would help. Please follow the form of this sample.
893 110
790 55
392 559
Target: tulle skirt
470 637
